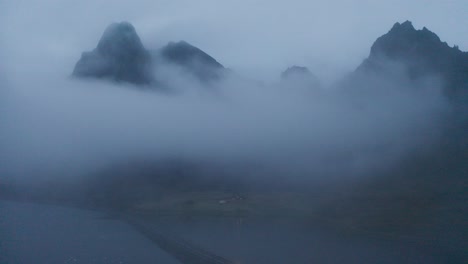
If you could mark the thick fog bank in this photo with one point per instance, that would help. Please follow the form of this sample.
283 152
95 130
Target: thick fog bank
57 127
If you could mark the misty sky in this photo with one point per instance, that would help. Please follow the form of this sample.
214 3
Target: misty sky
330 37
54 123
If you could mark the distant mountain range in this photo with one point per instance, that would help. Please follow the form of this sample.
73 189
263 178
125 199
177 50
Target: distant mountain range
427 183
120 56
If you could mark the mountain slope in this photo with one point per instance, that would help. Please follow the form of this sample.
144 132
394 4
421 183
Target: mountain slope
191 59
119 56
422 54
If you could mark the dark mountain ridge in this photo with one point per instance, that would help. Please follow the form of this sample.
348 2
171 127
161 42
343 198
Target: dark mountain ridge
191 59
423 54
120 56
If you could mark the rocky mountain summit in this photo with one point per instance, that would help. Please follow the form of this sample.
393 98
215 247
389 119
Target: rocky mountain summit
120 56
422 54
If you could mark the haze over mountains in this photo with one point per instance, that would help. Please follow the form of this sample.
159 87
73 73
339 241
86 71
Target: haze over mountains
414 69
326 113
402 52
397 124
406 67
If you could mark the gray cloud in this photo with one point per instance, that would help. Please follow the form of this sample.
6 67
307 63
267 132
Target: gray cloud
60 126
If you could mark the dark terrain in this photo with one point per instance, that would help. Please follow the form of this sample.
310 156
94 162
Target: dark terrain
418 202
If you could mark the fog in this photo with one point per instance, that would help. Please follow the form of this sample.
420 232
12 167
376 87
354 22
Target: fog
55 127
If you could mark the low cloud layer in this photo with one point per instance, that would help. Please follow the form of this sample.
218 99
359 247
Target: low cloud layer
62 127
57 127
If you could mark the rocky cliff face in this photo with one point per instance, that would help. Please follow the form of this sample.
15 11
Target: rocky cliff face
422 53
119 56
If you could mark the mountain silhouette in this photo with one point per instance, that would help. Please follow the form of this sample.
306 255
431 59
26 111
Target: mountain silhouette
119 56
422 54
429 181
299 75
191 59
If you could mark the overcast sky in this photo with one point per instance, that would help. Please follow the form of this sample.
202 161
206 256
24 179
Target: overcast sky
265 36
56 124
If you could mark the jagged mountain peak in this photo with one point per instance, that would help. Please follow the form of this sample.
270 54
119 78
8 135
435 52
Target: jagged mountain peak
119 38
404 40
407 25
119 56
422 54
